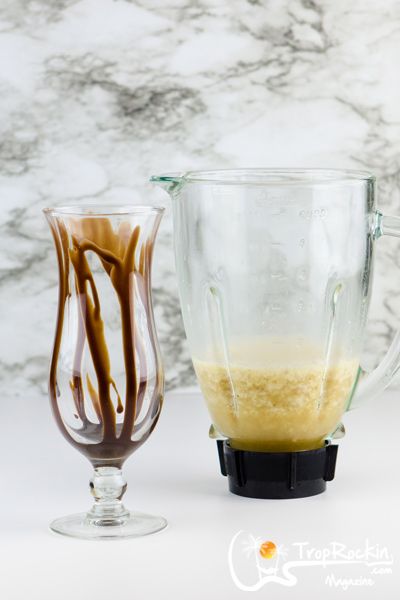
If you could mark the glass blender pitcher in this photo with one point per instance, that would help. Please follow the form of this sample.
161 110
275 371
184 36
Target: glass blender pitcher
274 270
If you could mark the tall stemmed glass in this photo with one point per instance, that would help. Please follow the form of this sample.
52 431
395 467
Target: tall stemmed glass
106 380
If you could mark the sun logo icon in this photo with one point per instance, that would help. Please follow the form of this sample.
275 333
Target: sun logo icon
268 549
254 547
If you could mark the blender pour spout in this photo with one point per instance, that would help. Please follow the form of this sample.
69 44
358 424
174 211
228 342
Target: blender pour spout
169 181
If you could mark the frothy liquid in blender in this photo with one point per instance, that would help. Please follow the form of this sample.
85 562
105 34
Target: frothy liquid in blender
277 395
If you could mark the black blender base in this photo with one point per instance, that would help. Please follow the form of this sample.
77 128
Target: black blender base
277 475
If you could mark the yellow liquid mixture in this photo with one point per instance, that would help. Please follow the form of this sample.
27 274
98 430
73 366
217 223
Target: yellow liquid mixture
276 397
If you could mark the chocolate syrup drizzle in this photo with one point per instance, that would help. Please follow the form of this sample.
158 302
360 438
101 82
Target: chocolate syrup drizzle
116 252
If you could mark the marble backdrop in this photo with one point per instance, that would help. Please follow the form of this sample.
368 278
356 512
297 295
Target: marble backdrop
96 95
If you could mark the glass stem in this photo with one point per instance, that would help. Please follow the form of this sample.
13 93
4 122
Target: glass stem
107 486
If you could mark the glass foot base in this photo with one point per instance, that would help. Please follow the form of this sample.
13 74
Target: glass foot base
136 524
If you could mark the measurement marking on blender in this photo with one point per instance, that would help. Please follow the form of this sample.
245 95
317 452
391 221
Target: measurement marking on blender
302 274
277 308
278 211
316 213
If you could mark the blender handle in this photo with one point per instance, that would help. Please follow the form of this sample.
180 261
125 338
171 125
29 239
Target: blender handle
373 383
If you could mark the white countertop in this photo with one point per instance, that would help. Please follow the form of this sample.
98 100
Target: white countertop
176 474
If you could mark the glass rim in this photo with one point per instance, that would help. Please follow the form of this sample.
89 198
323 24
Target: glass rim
268 176
107 210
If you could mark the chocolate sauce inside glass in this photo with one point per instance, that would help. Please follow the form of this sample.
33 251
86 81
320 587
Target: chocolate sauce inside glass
74 238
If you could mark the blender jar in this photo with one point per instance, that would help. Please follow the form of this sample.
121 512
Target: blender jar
275 270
